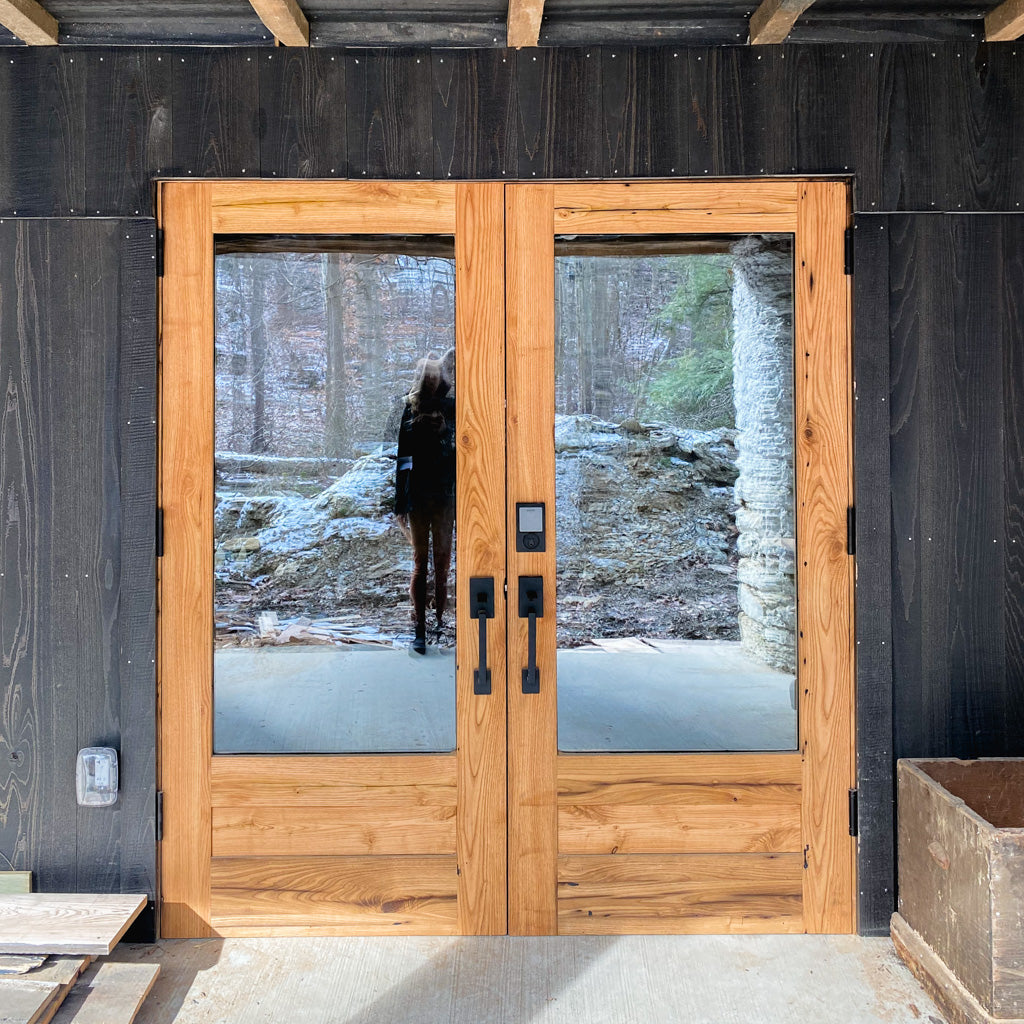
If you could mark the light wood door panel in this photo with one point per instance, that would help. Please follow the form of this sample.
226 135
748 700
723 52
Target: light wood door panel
691 842
321 844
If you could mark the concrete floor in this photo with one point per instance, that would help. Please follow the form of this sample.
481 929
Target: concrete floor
674 695
625 980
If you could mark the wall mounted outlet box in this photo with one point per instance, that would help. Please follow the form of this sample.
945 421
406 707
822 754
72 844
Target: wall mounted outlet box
96 777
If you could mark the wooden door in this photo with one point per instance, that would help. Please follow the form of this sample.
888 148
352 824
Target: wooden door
306 844
687 842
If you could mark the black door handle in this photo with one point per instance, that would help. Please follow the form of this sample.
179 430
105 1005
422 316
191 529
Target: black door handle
531 607
481 603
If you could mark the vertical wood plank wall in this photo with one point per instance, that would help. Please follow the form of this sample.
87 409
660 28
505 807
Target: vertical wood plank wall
925 129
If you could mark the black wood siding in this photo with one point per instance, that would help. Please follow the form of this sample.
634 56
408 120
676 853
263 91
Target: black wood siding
77 447
939 353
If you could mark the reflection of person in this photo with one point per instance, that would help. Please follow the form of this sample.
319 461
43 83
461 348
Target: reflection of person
425 483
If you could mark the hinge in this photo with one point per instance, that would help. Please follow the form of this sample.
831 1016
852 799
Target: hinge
848 251
851 530
159 252
854 814
159 815
159 532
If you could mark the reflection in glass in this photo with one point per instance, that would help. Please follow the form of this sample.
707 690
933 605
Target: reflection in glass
335 502
675 495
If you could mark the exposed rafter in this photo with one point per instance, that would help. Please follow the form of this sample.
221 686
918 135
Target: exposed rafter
772 21
1005 22
30 22
524 18
285 19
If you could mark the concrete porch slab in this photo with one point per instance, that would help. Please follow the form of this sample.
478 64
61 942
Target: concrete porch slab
722 979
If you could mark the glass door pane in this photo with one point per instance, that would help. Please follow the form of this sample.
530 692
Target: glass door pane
334 511
676 614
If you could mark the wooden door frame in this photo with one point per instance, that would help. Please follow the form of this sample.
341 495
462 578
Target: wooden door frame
192 779
545 787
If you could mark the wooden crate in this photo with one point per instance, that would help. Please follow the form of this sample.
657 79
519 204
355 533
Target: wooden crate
960 925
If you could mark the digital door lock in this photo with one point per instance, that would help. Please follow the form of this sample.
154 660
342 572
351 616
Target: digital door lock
530 532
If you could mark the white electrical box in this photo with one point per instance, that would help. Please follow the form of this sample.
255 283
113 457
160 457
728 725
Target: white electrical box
96 777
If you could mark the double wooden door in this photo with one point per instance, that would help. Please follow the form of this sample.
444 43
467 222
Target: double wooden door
504 833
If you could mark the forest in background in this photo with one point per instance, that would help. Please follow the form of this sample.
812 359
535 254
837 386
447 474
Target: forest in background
314 351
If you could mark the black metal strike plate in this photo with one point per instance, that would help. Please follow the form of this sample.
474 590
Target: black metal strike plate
159 532
854 814
851 530
848 252
530 526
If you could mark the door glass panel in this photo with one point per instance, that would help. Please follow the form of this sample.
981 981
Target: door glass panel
676 611
334 502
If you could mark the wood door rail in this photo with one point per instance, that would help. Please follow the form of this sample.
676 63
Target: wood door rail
774 19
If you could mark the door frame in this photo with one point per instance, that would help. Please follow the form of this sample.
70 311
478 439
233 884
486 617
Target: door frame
560 879
823 769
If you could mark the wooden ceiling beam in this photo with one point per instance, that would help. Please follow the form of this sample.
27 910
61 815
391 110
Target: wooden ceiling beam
30 22
1005 22
524 17
772 21
285 19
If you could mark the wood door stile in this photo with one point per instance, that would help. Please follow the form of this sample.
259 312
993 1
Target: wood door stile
185 631
532 725
824 468
480 484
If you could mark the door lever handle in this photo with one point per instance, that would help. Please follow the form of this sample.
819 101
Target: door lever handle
531 608
481 603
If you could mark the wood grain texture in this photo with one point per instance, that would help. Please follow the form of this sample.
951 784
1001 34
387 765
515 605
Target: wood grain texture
64 338
673 828
137 394
356 781
27 1002
110 993
334 207
186 571
331 895
688 894
284 19
481 720
332 831
30 22
948 490
532 718
302 105
127 127
773 20
874 678
42 121
1011 281
388 114
474 124
675 778
83 923
559 113
1005 22
524 18
215 121
824 486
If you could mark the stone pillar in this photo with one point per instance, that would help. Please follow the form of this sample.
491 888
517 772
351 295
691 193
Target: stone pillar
763 392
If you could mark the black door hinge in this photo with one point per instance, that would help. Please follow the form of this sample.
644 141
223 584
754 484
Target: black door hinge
159 815
854 814
851 530
159 532
159 252
848 252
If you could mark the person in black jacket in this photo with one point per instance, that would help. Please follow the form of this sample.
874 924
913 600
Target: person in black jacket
425 484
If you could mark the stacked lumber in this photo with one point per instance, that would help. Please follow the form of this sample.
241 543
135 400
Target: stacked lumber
48 945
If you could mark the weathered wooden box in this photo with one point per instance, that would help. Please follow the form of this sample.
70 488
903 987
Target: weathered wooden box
960 924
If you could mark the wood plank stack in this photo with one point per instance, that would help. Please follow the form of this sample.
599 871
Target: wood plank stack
48 943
